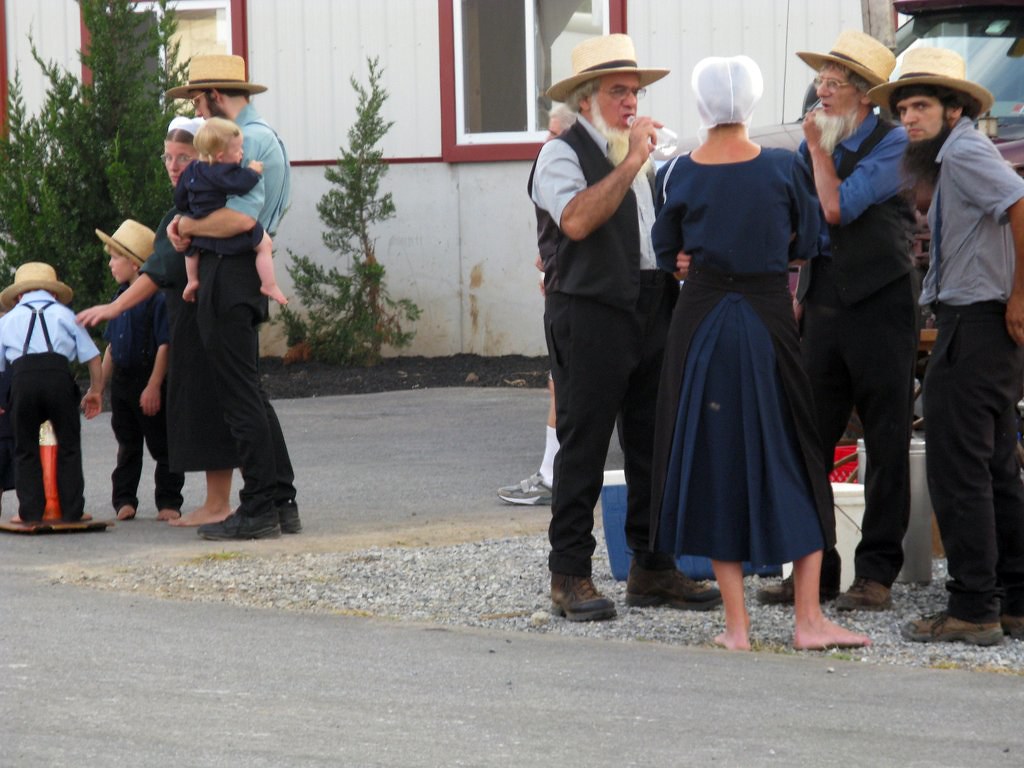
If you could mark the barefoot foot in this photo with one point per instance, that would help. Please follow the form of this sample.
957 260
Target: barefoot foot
823 634
127 512
166 515
201 516
737 641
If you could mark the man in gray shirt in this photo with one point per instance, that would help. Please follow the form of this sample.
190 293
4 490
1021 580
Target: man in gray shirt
975 282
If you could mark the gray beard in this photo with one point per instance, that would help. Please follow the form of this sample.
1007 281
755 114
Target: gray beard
834 129
618 142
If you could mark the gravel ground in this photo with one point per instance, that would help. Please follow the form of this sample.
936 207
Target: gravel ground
502 584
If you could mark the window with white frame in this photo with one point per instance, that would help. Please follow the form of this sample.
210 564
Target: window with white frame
507 54
204 26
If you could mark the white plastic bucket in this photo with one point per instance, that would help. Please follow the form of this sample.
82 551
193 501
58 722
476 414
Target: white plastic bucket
849 510
917 543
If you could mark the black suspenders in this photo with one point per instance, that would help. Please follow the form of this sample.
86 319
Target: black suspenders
37 312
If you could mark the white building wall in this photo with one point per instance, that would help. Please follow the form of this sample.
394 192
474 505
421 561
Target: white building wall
463 242
305 52
54 26
421 248
677 35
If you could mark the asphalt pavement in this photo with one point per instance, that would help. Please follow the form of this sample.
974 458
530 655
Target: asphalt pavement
94 678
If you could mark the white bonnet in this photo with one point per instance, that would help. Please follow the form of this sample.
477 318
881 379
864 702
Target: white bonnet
727 89
188 124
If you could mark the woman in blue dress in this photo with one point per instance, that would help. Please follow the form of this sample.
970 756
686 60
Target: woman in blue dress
737 475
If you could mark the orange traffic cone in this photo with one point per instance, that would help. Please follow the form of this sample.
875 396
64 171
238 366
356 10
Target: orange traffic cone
48 458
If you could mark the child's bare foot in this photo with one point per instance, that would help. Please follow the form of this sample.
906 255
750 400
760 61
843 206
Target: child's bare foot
166 515
733 641
127 512
823 634
273 292
191 289
201 516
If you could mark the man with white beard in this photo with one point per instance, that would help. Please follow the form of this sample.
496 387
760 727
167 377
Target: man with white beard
606 325
859 332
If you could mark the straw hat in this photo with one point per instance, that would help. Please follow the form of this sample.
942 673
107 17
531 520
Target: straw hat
599 56
859 53
34 276
933 66
132 240
215 71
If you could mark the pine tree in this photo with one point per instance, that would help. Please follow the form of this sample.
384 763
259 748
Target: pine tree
90 158
351 317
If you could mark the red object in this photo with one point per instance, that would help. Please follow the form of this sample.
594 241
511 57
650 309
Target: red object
842 474
48 458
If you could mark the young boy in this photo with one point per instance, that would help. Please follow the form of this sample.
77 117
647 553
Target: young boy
38 339
6 436
204 187
135 367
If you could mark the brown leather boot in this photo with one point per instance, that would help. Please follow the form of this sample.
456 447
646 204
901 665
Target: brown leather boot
943 628
782 593
865 595
1012 626
647 588
576 598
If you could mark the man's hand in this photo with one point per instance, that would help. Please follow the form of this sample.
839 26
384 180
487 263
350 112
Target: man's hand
179 240
1015 304
812 131
1015 318
539 264
643 137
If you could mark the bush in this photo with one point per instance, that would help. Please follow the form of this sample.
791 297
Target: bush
90 158
350 317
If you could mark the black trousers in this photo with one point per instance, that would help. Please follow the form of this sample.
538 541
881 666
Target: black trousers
606 364
132 428
971 390
229 315
863 357
42 389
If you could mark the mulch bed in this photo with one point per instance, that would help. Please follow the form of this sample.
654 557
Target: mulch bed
312 379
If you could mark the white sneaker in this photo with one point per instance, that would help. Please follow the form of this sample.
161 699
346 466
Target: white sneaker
531 491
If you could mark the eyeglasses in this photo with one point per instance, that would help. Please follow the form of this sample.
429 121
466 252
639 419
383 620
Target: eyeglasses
176 159
620 92
197 97
830 84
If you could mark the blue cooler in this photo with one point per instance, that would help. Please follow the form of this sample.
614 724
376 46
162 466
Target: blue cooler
613 513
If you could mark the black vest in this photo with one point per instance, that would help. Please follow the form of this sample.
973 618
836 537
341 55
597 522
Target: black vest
605 266
874 249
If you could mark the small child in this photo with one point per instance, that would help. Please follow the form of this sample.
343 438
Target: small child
135 367
204 187
6 436
38 339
